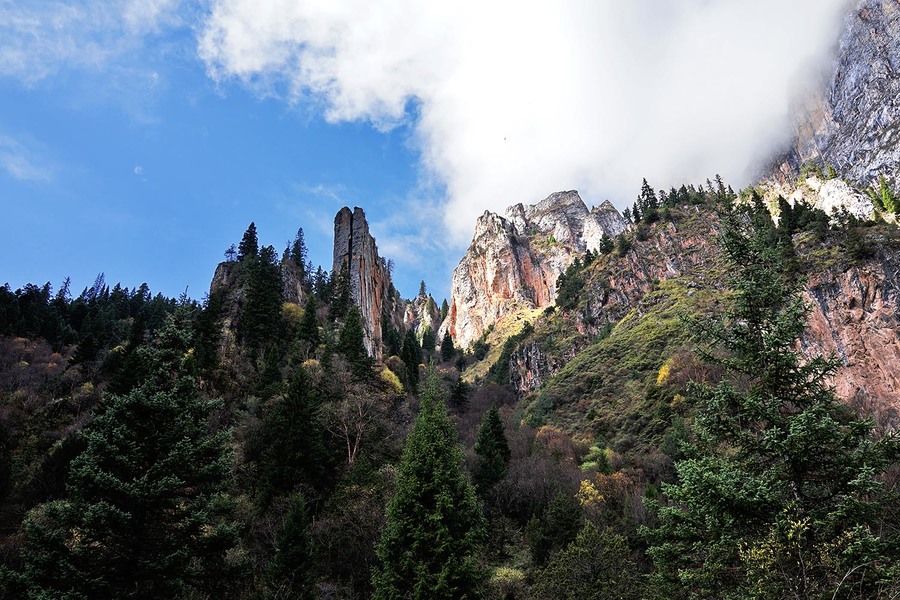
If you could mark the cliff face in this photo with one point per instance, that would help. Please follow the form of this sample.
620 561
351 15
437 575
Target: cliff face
368 275
514 261
853 123
855 305
856 318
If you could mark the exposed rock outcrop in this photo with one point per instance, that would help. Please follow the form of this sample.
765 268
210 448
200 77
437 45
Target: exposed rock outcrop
830 196
855 306
368 275
514 261
856 317
853 123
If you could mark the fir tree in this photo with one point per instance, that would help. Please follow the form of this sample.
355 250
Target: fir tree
351 344
293 441
411 355
448 350
261 317
249 246
291 570
445 310
430 543
492 450
780 494
142 516
309 325
341 299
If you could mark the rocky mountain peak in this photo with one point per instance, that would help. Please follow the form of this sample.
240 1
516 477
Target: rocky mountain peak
853 121
514 260
368 275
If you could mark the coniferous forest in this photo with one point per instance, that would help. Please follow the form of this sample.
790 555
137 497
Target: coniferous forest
249 445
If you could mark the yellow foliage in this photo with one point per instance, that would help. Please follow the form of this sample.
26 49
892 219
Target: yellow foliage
292 314
664 372
391 379
588 495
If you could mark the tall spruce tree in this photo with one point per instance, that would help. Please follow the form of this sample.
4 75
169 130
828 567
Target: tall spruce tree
430 544
780 495
492 450
352 345
448 350
249 246
411 355
142 516
293 440
261 318
309 325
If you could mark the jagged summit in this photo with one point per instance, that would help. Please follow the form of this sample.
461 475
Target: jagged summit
853 122
514 260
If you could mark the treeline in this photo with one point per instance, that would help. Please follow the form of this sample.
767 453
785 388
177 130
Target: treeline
249 447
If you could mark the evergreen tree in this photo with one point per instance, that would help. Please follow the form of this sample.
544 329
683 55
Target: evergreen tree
428 341
293 441
298 253
597 565
780 494
261 317
411 355
143 511
492 450
352 345
340 293
309 325
445 310
448 350
249 246
430 543
291 569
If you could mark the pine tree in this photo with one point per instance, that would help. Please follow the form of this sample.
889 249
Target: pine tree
309 325
430 543
448 350
445 310
352 345
249 246
411 355
428 341
291 570
143 511
341 299
492 450
293 441
261 317
779 495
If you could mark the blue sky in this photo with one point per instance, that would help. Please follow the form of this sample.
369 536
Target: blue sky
139 138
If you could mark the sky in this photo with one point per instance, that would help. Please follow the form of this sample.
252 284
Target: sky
139 138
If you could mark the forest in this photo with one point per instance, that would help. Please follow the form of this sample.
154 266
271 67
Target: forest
248 446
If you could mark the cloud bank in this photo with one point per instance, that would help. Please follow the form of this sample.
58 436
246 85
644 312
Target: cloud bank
511 101
514 100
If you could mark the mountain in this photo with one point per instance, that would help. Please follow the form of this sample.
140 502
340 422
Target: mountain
853 121
514 261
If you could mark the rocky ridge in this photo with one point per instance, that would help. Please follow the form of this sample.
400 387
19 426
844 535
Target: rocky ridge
514 260
854 316
853 121
368 275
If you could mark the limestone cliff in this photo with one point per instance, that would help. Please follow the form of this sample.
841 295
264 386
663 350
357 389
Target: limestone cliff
369 277
853 121
855 305
514 260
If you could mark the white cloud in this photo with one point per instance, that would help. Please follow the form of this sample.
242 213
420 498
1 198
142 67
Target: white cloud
22 161
514 100
40 38
139 170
